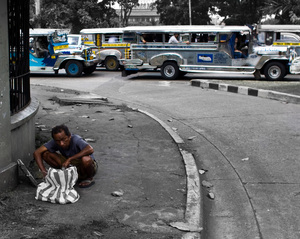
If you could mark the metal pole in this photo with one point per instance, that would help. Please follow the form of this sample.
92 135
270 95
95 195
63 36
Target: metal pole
37 7
190 12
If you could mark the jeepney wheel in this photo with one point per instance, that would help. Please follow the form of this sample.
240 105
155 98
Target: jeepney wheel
89 70
169 71
74 68
274 71
111 63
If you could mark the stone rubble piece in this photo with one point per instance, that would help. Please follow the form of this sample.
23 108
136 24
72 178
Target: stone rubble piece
207 184
118 193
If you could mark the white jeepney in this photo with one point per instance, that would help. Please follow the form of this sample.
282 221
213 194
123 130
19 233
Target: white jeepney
111 43
222 49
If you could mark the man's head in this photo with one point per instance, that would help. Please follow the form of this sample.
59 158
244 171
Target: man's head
61 136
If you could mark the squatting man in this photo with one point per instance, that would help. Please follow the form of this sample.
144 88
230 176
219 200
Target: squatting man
67 149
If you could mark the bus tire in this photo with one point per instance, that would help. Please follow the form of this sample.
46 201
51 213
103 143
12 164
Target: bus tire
274 71
169 71
74 68
111 63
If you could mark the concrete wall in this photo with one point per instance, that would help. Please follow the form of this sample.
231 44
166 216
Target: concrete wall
17 133
23 133
7 166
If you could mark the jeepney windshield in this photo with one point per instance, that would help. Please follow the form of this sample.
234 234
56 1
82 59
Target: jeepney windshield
74 40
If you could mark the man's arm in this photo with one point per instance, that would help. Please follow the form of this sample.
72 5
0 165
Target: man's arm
38 157
88 150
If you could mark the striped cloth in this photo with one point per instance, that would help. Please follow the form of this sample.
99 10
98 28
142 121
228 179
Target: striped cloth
58 186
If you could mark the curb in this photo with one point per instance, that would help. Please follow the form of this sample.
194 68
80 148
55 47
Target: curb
192 224
244 90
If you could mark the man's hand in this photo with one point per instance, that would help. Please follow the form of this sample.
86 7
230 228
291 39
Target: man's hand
66 163
44 173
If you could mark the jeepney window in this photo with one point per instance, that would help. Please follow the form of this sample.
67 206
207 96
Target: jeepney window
185 37
204 37
113 38
129 37
269 38
73 40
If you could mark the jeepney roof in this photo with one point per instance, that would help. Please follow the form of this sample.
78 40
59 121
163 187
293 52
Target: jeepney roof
47 32
186 29
101 30
279 28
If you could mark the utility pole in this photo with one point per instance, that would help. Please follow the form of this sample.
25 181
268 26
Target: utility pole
190 12
37 7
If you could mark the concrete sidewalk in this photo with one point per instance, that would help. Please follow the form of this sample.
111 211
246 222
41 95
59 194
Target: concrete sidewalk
138 156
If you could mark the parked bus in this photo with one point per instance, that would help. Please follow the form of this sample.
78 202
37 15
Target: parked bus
112 44
222 49
50 52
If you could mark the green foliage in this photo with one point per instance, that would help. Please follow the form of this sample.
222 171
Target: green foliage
285 11
239 12
75 14
126 8
176 12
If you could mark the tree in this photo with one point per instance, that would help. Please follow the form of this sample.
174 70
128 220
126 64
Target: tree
75 14
126 7
239 12
176 12
285 11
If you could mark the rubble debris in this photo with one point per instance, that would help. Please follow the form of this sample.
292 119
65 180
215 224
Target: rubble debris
207 184
99 234
211 195
202 171
245 159
90 140
118 193
191 138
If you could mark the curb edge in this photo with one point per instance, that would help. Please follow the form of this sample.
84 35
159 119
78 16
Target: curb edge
244 90
193 222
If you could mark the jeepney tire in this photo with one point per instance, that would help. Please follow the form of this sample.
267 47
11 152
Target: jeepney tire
169 71
74 68
89 70
111 63
182 73
274 71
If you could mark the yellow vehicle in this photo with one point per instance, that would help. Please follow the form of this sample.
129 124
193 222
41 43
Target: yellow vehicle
112 45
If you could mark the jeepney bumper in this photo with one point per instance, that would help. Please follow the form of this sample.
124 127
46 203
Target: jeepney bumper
88 63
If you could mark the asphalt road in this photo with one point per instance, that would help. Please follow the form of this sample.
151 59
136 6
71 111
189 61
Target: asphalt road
249 145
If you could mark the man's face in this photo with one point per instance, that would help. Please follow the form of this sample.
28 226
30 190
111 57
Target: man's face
62 139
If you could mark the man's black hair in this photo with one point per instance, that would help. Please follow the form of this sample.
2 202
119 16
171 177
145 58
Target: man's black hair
59 128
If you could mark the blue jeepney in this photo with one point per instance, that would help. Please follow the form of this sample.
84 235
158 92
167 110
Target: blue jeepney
49 51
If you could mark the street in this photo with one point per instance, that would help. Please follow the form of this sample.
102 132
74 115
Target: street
248 147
